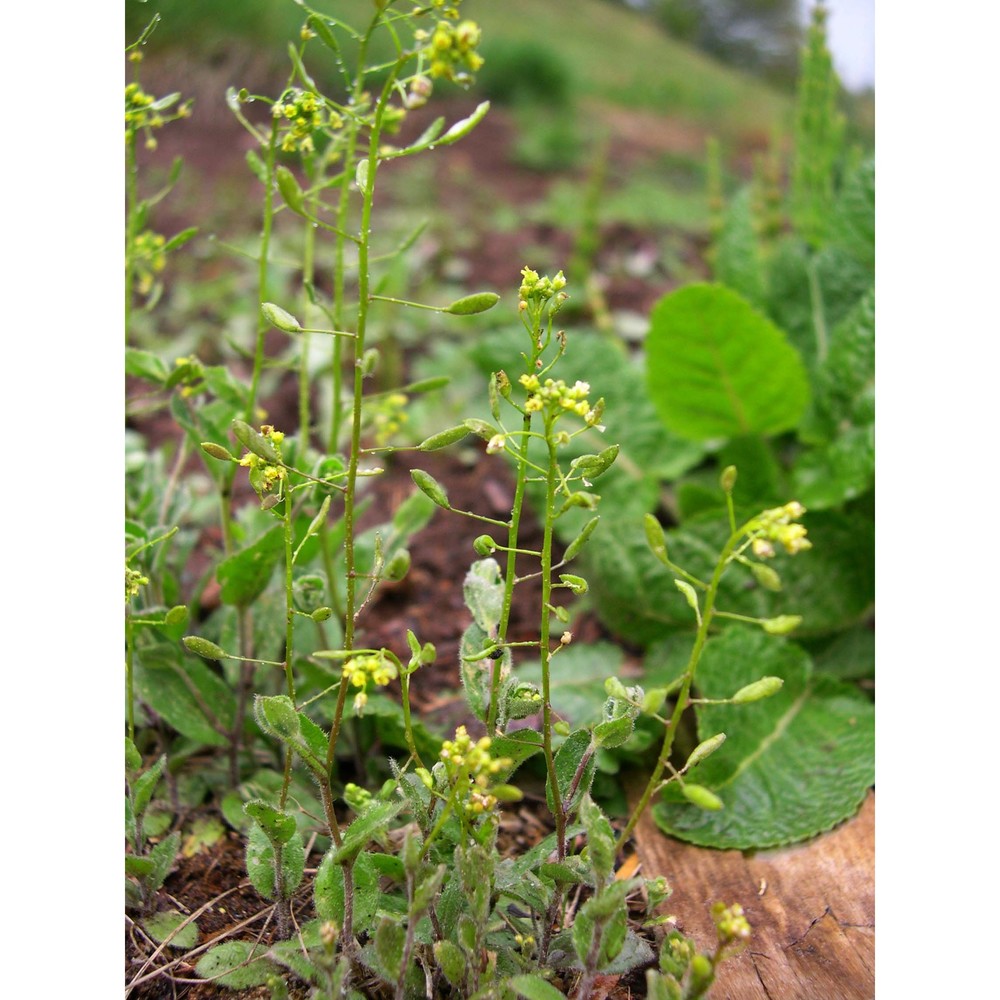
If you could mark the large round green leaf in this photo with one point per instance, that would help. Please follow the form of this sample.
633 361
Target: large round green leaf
717 368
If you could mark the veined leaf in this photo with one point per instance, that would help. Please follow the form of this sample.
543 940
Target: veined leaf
718 368
792 766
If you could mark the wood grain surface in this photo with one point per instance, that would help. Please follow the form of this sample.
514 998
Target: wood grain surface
811 907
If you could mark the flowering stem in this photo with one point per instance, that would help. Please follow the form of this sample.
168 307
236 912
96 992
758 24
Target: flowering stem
550 492
683 696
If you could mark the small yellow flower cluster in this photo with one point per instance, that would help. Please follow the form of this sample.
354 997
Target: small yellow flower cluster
371 666
133 581
143 111
263 475
358 798
390 417
540 289
452 50
778 525
148 259
731 924
464 759
303 113
557 395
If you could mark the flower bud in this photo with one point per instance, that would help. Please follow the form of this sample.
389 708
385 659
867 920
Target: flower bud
765 576
484 545
728 478
321 614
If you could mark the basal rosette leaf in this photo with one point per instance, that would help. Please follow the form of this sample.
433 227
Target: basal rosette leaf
792 765
717 368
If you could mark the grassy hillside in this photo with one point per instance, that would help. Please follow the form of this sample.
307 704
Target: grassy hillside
612 54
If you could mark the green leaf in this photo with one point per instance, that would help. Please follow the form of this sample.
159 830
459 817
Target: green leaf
390 937
244 576
279 826
852 225
483 591
328 890
261 862
145 365
737 260
144 786
600 837
534 988
851 656
792 766
163 856
162 926
718 368
176 687
375 819
276 715
452 961
231 964
575 764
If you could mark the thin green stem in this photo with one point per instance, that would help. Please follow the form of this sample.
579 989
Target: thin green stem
129 689
404 684
550 494
262 268
131 222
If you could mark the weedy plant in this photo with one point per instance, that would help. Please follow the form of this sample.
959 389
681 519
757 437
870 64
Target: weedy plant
413 896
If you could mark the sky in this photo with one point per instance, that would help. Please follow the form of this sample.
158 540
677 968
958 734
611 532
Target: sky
851 37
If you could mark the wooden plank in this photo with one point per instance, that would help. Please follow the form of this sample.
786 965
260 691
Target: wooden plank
811 907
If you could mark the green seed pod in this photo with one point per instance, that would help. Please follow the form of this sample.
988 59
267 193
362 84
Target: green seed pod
290 191
484 545
369 361
781 625
701 797
655 537
398 566
470 305
575 583
503 383
217 451
429 486
255 442
763 688
728 478
706 747
209 650
176 615
279 318
494 397
561 728
692 598
443 438
321 614
465 126
592 466
653 700
578 543
480 428
766 576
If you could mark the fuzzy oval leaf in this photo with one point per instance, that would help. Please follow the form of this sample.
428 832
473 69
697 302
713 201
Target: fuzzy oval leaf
791 767
718 368
534 988
328 890
261 866
230 964
164 925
